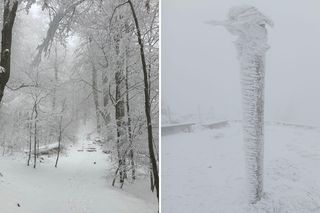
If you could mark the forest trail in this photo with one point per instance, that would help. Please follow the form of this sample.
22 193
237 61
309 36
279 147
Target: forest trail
78 185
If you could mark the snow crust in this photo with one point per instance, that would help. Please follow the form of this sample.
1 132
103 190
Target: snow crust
249 25
208 174
76 186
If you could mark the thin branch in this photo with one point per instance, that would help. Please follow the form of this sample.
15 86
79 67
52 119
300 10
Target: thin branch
114 10
22 86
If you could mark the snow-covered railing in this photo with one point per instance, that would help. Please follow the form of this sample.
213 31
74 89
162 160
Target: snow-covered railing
168 129
216 124
290 124
281 123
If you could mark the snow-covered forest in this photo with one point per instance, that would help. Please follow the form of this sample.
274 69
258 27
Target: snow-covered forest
79 106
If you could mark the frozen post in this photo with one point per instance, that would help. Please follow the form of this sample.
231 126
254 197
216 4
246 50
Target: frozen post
249 25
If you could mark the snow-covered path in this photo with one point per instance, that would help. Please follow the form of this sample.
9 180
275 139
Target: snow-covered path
77 185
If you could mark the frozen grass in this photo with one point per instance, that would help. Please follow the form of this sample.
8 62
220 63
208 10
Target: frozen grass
204 171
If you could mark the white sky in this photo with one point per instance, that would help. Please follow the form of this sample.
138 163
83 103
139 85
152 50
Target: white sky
199 64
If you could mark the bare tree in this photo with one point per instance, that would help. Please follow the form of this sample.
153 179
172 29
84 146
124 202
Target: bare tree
35 140
153 159
129 128
59 140
30 137
61 129
94 80
147 100
120 113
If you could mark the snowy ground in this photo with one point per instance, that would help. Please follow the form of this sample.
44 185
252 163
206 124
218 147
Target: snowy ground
76 186
204 171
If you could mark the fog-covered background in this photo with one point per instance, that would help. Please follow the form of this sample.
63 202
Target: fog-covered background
200 67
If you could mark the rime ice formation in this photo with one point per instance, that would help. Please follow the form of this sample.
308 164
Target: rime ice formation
249 25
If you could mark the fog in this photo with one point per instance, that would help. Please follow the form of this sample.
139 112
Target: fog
200 66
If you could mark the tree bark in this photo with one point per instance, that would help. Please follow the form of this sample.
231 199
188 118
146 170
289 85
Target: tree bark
9 15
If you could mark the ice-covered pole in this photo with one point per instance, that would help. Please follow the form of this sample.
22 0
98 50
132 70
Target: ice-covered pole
249 25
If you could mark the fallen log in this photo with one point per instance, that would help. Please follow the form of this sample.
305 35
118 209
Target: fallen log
47 149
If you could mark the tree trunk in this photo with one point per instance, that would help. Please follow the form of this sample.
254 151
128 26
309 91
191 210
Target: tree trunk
147 101
9 15
56 72
59 141
30 139
96 95
151 180
119 108
38 141
105 113
35 136
131 154
4 144
120 125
